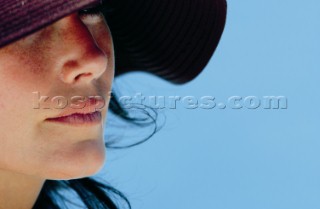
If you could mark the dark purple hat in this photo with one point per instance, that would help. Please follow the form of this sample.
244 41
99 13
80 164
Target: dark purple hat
173 39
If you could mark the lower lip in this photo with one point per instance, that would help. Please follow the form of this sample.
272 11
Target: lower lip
79 119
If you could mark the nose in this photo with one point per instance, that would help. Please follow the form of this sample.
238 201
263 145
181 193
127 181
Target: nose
81 59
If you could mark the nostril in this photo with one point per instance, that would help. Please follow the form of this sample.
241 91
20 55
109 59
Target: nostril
83 75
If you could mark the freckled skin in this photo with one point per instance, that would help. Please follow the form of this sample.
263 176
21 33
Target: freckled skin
71 57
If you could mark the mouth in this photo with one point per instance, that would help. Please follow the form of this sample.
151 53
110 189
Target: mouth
86 116
79 119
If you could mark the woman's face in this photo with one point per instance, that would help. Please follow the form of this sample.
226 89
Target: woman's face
39 75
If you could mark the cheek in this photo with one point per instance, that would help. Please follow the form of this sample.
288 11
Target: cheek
18 82
106 80
103 38
23 68
16 111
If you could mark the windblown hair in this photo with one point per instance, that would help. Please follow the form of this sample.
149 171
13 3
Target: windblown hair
92 193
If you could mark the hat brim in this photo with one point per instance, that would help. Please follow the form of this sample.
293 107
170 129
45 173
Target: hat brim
173 39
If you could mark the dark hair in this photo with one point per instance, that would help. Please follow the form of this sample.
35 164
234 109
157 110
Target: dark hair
96 194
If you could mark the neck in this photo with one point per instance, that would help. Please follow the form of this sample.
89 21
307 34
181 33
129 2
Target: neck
18 191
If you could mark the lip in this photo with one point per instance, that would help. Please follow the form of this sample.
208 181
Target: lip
79 119
88 115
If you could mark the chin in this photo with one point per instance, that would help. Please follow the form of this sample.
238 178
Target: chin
83 160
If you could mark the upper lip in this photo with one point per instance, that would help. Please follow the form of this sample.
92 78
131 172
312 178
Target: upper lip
90 106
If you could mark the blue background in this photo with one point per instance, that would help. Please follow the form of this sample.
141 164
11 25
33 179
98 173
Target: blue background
236 158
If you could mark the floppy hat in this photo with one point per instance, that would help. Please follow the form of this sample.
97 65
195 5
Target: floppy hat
173 39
